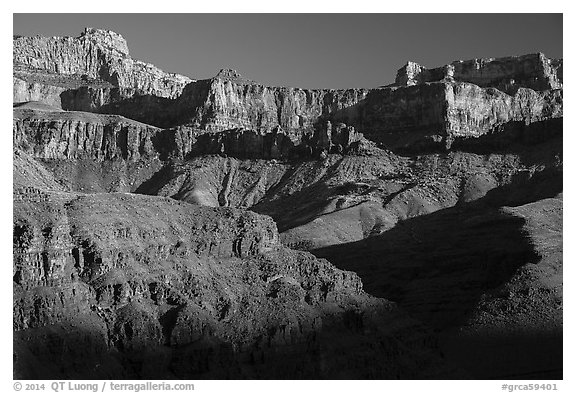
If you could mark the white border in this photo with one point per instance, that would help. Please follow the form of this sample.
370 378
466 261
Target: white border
298 6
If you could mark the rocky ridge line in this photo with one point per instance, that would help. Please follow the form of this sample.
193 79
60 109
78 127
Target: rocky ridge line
534 71
149 286
96 54
424 109
127 286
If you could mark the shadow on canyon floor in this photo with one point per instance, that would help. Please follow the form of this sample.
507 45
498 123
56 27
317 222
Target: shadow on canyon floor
438 266
377 343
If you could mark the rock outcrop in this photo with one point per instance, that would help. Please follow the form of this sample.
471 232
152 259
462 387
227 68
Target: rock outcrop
160 288
153 215
94 72
97 54
80 135
534 71
26 91
48 133
225 102
425 109
422 116
434 115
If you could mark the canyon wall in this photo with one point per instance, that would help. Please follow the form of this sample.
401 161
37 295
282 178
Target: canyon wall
165 289
98 54
76 135
49 134
425 109
224 102
435 114
132 258
229 101
534 71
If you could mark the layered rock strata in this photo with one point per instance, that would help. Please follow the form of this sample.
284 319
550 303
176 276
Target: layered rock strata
79 135
534 71
178 283
164 289
224 102
422 116
425 109
51 134
97 54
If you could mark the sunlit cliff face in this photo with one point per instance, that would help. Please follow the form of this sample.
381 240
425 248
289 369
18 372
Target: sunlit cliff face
171 228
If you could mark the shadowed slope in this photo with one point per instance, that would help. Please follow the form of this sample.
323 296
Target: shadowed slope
481 275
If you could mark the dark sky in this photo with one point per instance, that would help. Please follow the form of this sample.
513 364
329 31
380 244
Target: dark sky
311 50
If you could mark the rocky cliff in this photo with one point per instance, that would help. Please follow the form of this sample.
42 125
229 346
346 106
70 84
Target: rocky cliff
97 54
534 71
153 216
78 135
51 134
420 117
224 102
229 101
425 116
164 289
425 109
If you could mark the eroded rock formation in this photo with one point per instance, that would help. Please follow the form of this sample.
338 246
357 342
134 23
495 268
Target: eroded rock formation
534 71
167 289
74 135
97 54
426 109
153 216
422 117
